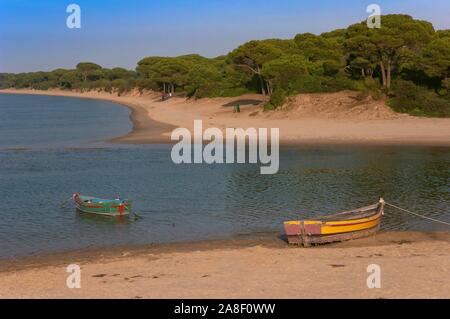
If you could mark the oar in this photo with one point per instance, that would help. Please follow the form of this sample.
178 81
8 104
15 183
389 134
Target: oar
64 204
136 216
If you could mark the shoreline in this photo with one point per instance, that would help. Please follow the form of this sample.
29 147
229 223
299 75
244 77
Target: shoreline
153 122
273 240
214 269
86 255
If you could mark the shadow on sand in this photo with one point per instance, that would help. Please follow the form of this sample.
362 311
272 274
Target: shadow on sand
243 102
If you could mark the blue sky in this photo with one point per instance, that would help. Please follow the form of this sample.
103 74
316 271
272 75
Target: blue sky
34 36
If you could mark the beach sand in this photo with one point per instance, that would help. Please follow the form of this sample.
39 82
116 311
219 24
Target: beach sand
337 118
413 265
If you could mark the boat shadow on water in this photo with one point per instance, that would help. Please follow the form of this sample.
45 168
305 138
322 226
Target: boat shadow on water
103 219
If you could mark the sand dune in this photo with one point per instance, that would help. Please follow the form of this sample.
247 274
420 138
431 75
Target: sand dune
342 105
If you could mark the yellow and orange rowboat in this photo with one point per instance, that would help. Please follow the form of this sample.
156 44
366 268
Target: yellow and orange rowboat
358 223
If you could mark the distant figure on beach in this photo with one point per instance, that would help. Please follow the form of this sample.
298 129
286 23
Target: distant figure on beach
166 96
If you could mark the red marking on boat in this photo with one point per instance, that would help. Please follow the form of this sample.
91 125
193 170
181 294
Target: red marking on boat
367 221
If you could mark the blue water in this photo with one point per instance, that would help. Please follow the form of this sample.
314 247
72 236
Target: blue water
29 121
51 147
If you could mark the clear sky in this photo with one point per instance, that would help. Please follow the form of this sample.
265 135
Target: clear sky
34 35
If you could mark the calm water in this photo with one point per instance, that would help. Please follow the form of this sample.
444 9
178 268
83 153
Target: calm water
63 152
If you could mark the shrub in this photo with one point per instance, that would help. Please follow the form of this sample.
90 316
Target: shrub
147 84
369 86
417 100
338 83
308 84
277 99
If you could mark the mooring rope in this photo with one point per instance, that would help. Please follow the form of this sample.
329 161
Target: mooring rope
418 215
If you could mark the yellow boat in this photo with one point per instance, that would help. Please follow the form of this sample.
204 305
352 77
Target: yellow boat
358 223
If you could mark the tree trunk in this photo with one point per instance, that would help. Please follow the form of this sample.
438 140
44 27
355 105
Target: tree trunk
269 88
164 87
388 75
261 80
383 73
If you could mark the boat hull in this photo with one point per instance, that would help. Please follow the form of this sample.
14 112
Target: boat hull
110 214
356 224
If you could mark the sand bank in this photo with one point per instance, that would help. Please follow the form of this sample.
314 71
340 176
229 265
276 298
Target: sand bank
413 265
312 118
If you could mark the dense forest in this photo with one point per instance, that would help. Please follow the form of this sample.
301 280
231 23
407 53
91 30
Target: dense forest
406 61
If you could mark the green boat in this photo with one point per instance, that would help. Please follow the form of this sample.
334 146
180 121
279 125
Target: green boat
106 207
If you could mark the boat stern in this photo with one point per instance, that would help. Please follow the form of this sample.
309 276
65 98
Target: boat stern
296 231
293 230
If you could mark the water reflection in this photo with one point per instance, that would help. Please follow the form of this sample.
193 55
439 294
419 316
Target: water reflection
99 220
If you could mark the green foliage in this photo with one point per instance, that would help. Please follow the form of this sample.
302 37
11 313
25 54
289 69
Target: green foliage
168 72
319 48
443 33
119 73
369 86
309 84
435 59
70 80
338 35
277 99
89 71
418 101
214 78
254 54
284 71
388 48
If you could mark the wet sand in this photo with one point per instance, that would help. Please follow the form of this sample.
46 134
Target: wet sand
413 265
153 120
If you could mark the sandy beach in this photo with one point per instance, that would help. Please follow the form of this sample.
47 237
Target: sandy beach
413 265
336 118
